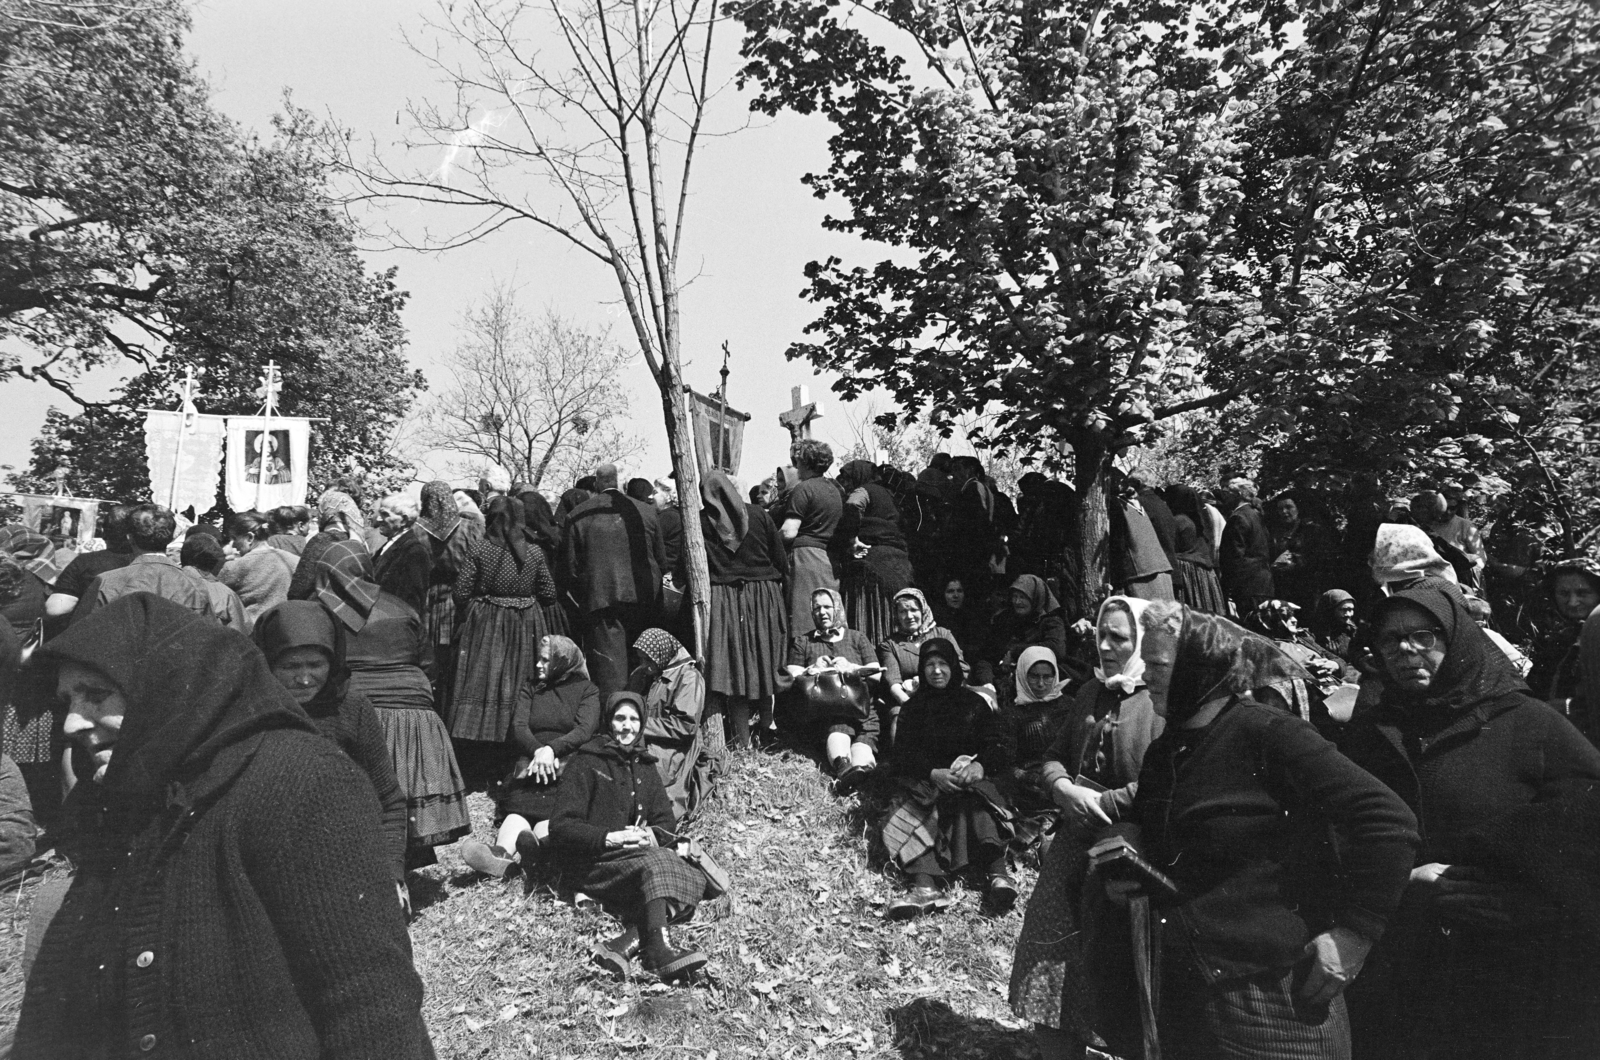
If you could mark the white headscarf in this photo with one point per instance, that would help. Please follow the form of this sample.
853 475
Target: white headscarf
1132 675
1032 656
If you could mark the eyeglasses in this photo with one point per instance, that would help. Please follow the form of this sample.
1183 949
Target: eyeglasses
1418 640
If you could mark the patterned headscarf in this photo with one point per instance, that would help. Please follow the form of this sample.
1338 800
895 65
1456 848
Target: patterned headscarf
344 584
925 623
659 646
1403 554
32 550
566 660
439 512
336 502
1032 656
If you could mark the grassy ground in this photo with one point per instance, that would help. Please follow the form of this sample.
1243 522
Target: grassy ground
803 963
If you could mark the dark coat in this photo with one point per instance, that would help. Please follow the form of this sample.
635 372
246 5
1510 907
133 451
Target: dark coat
605 789
563 718
405 567
1246 557
612 553
937 727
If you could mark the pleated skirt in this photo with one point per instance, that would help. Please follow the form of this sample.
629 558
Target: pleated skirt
1200 588
868 606
495 654
425 766
810 569
556 621
747 639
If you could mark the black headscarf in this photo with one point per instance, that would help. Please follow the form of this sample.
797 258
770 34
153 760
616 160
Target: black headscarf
940 648
1474 671
196 692
305 624
1184 500
1192 658
857 473
504 524
723 510
541 521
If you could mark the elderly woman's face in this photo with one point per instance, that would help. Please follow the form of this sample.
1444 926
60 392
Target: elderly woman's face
625 725
823 613
1114 640
1575 596
1041 680
303 671
1021 603
95 709
1346 612
907 614
542 660
936 672
955 594
1411 647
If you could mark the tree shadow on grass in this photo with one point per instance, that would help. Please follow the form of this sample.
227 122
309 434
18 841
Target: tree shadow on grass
926 1029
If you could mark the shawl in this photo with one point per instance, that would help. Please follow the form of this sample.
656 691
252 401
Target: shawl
306 624
1192 658
1131 676
439 514
194 690
659 646
32 550
1038 593
333 502
856 474
343 583
926 621
504 525
1405 553
1275 619
566 660
1185 501
724 508
1474 671
1032 656
540 521
1326 613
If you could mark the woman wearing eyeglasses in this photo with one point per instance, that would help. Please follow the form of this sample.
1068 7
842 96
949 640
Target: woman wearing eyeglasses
1496 949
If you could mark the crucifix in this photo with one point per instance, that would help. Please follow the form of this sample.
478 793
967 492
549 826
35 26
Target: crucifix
802 410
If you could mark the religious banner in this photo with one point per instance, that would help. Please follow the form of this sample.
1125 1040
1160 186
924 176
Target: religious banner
69 522
184 453
718 432
269 461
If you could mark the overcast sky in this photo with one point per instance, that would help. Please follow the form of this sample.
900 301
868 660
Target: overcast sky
750 230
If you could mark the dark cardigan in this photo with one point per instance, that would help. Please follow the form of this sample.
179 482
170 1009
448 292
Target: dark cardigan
938 727
563 718
354 726
1237 813
605 789
254 917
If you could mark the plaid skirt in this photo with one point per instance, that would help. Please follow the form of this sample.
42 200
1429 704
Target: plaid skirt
624 880
1199 587
495 654
425 766
747 641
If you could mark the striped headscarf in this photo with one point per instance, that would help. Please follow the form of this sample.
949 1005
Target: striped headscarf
344 584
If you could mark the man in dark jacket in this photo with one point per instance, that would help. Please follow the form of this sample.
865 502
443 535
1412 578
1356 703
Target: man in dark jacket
1246 557
612 560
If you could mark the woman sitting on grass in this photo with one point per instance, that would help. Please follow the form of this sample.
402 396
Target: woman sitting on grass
1039 710
829 668
612 819
949 816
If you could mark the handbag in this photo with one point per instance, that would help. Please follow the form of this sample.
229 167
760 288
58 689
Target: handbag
718 882
832 694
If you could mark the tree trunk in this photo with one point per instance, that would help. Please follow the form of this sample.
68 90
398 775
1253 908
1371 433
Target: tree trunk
1090 479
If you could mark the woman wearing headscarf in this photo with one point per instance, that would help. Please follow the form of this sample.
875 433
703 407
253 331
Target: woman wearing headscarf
1333 624
1034 617
1236 804
557 713
674 696
27 718
544 531
259 574
747 637
617 835
232 895
1067 977
386 654
1496 949
1573 588
305 649
502 588
874 565
949 816
449 532
831 671
1034 714
967 618
900 652
1198 584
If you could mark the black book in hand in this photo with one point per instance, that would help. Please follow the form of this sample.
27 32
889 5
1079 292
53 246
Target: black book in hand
1117 859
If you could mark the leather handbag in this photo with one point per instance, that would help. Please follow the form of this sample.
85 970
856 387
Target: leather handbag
832 694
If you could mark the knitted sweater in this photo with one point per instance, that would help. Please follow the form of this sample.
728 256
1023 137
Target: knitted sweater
254 916
354 726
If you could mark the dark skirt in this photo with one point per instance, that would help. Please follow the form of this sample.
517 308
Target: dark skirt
556 621
425 766
1200 588
747 641
526 798
495 654
810 569
868 587
625 880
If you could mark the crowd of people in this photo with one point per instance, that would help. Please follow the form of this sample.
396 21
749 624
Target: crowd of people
1371 833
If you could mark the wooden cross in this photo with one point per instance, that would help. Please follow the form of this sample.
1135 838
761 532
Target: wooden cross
802 410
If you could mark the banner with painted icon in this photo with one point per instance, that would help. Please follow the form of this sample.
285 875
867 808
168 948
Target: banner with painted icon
269 461
184 453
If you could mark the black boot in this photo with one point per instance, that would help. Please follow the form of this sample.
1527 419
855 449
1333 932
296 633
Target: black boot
666 963
616 955
528 849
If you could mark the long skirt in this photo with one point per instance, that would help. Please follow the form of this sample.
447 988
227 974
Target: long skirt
625 880
425 766
495 654
1200 588
747 640
439 631
1073 967
868 587
556 621
810 569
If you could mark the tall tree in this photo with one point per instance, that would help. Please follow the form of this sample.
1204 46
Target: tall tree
582 121
539 396
1054 177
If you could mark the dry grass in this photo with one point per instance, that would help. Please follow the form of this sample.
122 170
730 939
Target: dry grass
803 963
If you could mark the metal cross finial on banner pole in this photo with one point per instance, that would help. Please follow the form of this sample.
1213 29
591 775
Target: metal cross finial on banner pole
724 454
186 413
271 385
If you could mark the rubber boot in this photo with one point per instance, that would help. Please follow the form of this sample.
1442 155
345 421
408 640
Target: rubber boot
666 963
616 955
